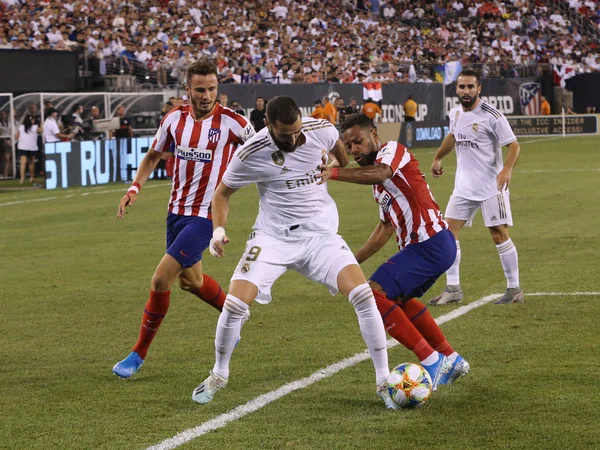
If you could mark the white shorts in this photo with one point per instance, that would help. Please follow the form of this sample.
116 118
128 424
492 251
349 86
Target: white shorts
495 210
267 257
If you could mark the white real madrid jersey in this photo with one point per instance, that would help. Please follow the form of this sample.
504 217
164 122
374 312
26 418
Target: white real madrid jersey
290 197
480 135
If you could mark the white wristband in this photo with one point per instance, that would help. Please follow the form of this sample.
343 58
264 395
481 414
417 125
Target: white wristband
218 235
133 189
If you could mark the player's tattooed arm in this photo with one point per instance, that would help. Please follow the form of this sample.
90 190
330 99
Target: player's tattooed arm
375 174
382 233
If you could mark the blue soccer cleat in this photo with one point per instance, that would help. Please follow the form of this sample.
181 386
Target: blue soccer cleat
453 371
435 370
128 366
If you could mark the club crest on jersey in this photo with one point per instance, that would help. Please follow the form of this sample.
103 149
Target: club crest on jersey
475 128
245 268
214 134
194 154
278 157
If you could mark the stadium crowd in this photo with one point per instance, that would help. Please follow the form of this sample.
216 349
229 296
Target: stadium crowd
293 41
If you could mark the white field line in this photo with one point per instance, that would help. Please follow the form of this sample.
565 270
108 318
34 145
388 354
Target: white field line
83 194
263 400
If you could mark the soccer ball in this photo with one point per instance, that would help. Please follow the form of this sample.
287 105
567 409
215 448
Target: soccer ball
409 385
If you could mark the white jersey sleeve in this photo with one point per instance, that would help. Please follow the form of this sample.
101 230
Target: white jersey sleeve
327 134
503 131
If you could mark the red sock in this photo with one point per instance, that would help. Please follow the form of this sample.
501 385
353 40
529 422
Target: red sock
154 313
211 293
400 328
419 315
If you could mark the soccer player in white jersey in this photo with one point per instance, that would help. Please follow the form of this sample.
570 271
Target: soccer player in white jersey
427 248
478 132
205 136
296 229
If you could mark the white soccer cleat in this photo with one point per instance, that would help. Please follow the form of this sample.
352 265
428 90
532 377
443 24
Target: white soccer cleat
206 390
384 394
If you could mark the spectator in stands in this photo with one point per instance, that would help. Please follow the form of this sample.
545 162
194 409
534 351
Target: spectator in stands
123 40
229 78
410 109
257 116
125 129
545 109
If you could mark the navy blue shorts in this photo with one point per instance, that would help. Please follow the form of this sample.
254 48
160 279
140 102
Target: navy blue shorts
187 238
412 271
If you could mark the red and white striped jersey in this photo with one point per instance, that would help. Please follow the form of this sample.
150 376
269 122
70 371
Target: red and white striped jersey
405 199
203 149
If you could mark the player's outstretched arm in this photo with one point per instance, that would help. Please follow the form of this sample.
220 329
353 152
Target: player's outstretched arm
447 146
382 233
503 178
147 166
219 212
376 174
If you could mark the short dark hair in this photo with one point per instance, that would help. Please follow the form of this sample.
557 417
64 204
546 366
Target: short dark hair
358 119
203 66
470 73
283 109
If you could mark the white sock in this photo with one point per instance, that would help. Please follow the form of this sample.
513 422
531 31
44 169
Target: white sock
431 359
371 328
228 332
510 262
452 276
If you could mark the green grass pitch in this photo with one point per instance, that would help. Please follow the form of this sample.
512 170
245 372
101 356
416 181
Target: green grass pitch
75 281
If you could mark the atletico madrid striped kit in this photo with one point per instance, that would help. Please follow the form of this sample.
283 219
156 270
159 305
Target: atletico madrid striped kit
202 151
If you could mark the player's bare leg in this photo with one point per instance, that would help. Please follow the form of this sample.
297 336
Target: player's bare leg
156 308
510 264
353 284
203 286
241 294
452 293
